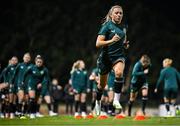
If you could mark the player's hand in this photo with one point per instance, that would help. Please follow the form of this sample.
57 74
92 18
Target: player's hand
126 44
155 90
59 87
91 77
146 71
115 38
75 91
39 86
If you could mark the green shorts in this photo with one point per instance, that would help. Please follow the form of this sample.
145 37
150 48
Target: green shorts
170 93
105 62
135 87
32 86
22 87
12 88
81 90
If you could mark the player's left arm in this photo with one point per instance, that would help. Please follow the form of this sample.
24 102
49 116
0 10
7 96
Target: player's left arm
161 78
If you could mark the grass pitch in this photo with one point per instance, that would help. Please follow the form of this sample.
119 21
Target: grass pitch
71 121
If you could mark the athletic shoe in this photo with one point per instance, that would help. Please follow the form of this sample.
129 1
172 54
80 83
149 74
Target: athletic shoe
97 108
23 117
1 115
51 113
169 114
76 114
32 116
11 116
117 105
39 115
83 114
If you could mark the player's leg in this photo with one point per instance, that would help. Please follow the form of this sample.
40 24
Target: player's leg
77 103
110 82
20 95
93 99
105 103
144 98
83 104
110 102
47 98
133 95
26 104
167 101
118 83
100 88
174 95
11 105
32 103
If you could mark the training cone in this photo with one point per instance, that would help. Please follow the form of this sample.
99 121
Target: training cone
139 116
89 116
120 116
78 117
102 117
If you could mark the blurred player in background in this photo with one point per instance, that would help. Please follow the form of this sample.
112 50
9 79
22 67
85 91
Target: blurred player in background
139 82
79 82
22 91
170 77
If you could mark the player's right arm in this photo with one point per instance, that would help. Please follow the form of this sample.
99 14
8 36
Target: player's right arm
102 42
136 71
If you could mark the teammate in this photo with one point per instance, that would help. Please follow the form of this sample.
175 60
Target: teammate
79 82
38 77
22 92
56 93
111 39
11 97
171 77
139 81
69 97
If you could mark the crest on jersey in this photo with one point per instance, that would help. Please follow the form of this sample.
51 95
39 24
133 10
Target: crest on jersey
42 72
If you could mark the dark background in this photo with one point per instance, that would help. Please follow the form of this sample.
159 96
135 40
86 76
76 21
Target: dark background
63 31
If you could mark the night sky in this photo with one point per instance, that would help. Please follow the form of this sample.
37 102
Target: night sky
63 31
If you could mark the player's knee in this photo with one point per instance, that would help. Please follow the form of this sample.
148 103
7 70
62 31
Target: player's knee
118 73
132 99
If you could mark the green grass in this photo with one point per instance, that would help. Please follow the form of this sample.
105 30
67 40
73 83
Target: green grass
70 121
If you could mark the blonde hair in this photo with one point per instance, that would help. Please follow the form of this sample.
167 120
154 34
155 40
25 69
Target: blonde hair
76 65
168 61
108 16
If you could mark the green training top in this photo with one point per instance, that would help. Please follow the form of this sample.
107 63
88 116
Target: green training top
9 73
79 78
19 73
109 29
170 76
138 75
37 75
